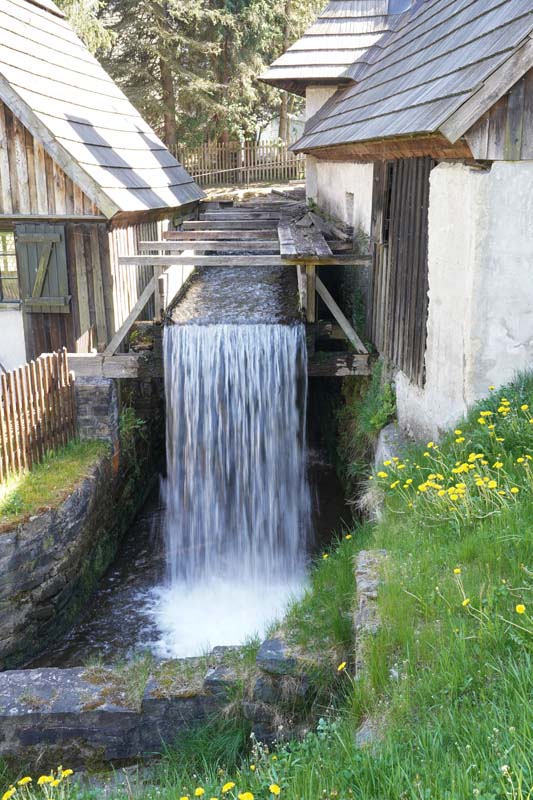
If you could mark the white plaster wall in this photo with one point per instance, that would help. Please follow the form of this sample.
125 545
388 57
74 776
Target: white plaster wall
12 348
480 324
345 191
315 97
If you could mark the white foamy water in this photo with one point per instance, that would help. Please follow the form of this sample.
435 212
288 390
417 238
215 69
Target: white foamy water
236 494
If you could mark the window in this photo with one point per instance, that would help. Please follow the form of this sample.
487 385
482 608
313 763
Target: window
9 282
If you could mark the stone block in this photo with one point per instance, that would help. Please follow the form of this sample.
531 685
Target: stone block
276 658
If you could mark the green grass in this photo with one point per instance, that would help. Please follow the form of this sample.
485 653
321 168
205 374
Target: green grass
48 483
449 683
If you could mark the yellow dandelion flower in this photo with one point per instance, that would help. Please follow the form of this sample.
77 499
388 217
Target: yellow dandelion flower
520 609
213 798
185 797
55 783
246 796
500 439
67 773
457 571
348 537
501 492
482 421
497 465
442 493
525 407
458 432
423 487
9 794
492 485
228 787
24 781
274 789
401 466
454 497
514 490
409 481
460 440
341 667
325 556
426 455
44 779
199 792
387 463
382 475
252 767
395 484
395 459
431 445
520 460
274 758
466 602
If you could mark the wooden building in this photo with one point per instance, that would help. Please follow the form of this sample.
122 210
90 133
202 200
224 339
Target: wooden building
425 144
83 178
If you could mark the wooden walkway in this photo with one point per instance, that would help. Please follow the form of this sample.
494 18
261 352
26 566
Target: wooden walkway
267 234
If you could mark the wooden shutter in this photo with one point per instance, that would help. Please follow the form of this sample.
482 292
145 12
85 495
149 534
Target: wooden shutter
42 267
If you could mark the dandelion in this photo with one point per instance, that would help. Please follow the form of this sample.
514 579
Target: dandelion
274 758
514 490
458 432
460 440
457 571
466 602
226 788
55 783
246 796
520 609
341 667
10 792
24 781
67 773
199 792
498 465
185 797
492 484
520 460
325 557
382 475
348 537
387 463
252 767
44 779
525 407
274 789
395 485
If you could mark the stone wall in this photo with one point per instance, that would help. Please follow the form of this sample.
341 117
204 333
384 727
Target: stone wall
50 564
97 408
480 324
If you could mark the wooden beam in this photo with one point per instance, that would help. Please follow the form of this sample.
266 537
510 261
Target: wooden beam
135 366
328 330
235 261
339 316
122 332
337 365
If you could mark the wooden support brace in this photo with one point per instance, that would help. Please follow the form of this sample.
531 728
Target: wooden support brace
339 316
312 278
123 331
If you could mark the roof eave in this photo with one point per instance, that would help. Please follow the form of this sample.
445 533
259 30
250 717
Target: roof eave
492 89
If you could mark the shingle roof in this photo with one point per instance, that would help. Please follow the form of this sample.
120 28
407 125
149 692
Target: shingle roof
62 95
342 34
444 62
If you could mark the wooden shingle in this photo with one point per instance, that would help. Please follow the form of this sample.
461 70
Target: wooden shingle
439 69
62 95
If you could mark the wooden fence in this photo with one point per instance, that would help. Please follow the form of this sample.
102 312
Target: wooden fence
241 164
37 412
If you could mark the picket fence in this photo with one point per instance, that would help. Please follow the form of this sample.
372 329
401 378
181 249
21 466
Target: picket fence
37 412
239 164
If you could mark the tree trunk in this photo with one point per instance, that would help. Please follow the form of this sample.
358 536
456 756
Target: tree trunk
170 129
284 105
284 117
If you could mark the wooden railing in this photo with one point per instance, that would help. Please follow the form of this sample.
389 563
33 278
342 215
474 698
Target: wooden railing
37 412
241 164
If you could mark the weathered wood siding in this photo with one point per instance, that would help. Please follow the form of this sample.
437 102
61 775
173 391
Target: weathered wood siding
399 293
30 181
505 133
129 282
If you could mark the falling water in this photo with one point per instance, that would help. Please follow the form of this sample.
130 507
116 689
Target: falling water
236 494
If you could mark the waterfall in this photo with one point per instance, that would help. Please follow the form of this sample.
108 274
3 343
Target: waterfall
236 494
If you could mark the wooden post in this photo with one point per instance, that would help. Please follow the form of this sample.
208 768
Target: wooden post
310 270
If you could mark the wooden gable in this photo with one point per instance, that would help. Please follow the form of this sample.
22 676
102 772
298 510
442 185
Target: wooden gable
31 183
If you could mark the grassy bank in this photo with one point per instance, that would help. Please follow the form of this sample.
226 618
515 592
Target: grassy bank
48 483
449 684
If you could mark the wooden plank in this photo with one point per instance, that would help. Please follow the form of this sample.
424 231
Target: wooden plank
133 366
224 225
337 365
227 235
208 244
351 335
9 424
98 288
122 332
